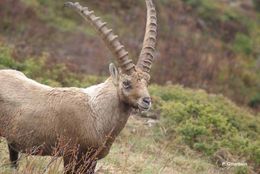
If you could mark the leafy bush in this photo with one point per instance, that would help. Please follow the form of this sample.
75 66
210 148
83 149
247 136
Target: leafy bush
5 58
243 44
255 101
207 123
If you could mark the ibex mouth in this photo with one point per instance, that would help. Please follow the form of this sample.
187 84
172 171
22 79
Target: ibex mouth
144 108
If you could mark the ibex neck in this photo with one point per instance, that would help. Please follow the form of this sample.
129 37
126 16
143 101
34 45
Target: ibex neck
110 112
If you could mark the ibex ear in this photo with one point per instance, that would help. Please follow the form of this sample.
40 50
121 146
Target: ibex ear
114 73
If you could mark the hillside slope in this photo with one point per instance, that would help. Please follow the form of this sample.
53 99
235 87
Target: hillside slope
194 132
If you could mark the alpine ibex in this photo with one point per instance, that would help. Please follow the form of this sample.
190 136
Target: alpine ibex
33 115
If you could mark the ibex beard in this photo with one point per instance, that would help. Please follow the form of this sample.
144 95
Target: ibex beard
33 115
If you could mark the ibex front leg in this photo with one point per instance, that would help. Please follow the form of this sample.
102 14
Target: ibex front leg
13 155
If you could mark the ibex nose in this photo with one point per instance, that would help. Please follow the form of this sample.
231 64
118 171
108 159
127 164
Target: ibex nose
147 100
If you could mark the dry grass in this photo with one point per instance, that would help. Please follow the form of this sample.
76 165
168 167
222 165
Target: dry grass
135 151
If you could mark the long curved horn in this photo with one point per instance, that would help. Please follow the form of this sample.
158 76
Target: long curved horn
148 51
125 63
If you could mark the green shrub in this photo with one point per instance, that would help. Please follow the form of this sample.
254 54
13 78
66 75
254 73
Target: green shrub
6 60
243 44
207 123
255 101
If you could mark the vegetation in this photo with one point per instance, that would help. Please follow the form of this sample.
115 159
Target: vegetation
42 71
207 123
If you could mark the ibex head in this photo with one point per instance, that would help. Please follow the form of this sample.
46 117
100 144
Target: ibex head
132 88
130 79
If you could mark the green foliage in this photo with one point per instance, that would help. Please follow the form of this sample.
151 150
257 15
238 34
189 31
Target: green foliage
33 3
213 11
6 59
243 44
207 123
205 8
257 4
255 101
241 170
39 69
46 10
55 15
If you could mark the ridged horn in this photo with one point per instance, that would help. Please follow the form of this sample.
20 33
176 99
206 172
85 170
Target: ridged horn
125 63
148 50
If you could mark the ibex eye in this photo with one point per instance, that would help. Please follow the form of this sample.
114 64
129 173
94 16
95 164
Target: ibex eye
127 84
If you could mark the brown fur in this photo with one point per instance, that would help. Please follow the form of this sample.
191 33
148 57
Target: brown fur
33 115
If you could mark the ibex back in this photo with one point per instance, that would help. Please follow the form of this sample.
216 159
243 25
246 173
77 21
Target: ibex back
33 115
